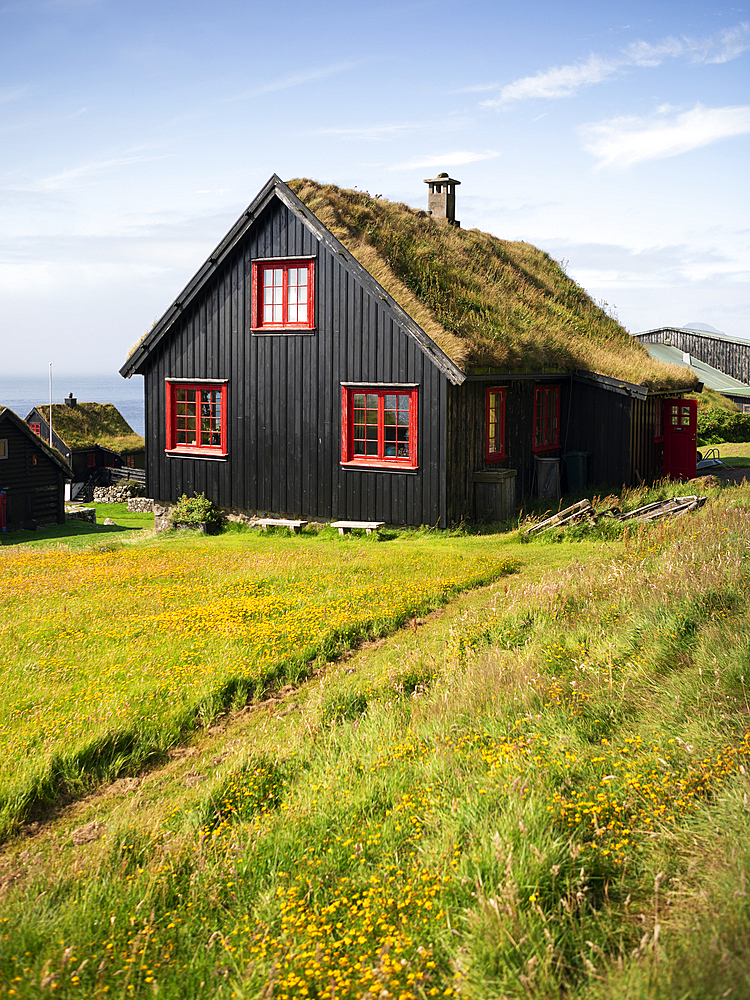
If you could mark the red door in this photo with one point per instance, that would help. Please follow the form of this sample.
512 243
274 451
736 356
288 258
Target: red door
680 438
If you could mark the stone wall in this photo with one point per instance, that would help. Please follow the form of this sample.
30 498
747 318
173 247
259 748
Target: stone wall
80 514
140 505
117 493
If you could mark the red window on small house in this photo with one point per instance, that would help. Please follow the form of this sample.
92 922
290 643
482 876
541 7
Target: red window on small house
197 418
494 447
90 459
36 428
546 418
379 426
109 461
283 296
658 420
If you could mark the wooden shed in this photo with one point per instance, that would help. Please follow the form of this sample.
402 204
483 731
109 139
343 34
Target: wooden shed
339 356
32 476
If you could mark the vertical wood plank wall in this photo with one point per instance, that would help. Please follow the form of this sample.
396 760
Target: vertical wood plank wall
284 395
646 454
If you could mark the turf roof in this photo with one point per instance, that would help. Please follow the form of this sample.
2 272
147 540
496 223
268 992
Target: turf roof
85 424
485 302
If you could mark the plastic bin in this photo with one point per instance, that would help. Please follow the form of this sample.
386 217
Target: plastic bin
576 470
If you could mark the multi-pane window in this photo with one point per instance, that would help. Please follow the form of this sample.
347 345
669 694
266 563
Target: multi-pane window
196 417
379 426
283 296
494 450
546 417
680 415
36 428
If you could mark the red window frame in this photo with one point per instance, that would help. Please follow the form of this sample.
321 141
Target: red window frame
196 418
278 296
494 442
658 421
90 459
36 428
546 418
389 410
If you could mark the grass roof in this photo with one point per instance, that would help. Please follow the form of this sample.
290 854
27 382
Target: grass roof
85 424
485 302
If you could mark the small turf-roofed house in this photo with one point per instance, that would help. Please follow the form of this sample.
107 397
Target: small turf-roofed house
341 356
32 476
93 437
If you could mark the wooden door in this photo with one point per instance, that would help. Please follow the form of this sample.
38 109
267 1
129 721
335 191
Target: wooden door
680 438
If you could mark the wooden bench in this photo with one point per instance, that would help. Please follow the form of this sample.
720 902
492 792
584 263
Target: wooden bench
280 522
368 526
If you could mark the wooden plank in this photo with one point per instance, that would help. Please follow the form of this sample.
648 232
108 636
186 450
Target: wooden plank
368 526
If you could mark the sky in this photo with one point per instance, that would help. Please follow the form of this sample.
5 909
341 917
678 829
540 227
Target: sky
132 135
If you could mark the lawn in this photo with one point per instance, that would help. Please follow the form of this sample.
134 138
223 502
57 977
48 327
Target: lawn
539 790
75 534
734 454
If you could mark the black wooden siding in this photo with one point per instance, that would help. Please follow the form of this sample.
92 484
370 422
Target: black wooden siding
646 454
284 394
35 492
729 356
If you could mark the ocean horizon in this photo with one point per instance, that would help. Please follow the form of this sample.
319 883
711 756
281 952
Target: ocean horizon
22 392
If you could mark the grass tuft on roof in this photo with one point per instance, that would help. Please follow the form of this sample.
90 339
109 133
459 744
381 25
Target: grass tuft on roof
485 302
86 424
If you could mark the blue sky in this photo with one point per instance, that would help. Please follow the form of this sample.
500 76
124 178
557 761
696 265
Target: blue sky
132 134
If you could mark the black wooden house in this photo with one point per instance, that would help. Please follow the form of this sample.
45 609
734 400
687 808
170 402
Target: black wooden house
308 369
32 476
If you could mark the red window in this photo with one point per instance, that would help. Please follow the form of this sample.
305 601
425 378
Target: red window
197 418
36 428
90 459
658 420
546 418
379 427
494 448
283 295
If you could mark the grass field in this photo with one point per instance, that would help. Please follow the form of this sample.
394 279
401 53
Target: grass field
539 790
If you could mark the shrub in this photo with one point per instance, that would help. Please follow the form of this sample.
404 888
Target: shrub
717 426
197 509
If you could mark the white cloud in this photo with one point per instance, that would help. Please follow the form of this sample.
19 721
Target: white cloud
371 131
563 81
624 141
62 180
454 159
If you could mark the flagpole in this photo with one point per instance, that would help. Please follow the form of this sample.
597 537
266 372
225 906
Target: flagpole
49 422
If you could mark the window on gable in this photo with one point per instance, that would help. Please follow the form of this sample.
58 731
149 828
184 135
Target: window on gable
494 447
283 296
546 418
379 426
36 428
197 418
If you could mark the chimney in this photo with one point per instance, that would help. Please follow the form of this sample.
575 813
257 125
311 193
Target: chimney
441 201
70 400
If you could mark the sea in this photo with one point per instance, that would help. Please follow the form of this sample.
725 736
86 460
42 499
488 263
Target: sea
22 392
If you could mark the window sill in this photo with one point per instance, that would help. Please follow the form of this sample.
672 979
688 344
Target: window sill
544 449
380 467
281 331
494 459
217 456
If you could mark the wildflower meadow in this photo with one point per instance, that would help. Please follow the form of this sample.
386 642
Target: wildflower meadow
541 791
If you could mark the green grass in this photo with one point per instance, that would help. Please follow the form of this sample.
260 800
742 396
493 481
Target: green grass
76 534
539 790
737 455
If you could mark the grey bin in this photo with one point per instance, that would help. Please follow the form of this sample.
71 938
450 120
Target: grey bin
576 468
495 495
547 472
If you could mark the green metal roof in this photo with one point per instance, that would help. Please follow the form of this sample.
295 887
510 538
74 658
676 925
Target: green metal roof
709 376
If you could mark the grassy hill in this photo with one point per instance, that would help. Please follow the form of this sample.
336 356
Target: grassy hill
93 423
538 788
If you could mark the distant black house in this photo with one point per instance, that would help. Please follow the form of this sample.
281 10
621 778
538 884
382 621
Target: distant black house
32 476
308 370
93 437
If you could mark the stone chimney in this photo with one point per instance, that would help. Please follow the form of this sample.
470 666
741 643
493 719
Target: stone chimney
70 400
441 201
